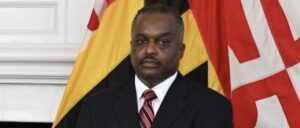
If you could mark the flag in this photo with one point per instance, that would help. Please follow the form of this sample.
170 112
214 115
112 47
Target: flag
254 47
104 60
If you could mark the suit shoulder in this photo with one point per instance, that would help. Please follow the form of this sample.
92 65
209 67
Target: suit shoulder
104 96
202 94
210 108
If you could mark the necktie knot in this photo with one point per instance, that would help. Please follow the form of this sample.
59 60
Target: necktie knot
149 95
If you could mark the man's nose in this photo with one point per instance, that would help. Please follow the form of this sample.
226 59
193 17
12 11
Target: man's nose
151 48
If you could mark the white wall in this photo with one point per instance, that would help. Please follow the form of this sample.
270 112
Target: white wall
39 41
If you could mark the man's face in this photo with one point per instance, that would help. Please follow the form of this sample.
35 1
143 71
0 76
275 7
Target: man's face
156 47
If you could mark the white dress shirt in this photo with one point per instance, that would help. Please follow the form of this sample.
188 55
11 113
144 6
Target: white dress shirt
160 90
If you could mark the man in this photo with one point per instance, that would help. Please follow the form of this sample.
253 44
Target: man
159 96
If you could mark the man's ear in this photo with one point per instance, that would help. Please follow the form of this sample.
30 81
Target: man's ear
130 43
182 48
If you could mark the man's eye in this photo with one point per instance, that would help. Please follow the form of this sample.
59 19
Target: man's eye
162 42
140 41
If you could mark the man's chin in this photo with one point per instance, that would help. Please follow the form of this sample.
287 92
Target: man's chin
149 73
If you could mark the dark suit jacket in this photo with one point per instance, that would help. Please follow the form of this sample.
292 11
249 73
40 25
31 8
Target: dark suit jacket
186 105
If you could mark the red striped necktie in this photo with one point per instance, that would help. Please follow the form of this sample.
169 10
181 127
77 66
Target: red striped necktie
146 113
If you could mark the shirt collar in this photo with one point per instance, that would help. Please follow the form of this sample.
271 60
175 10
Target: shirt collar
160 89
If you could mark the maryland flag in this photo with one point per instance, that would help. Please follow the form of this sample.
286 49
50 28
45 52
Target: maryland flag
247 50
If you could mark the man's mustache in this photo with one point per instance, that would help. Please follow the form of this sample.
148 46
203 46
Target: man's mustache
151 59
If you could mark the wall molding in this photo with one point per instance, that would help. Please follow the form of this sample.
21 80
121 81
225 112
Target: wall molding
37 63
26 16
33 21
39 42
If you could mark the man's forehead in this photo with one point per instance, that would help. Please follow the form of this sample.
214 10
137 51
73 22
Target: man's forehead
156 21
156 16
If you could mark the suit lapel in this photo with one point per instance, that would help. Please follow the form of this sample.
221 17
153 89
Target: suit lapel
126 106
172 105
